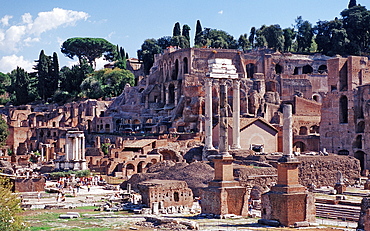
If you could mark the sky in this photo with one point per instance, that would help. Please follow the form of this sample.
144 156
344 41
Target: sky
27 27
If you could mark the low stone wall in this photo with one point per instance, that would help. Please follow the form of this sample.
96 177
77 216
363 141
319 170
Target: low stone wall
29 184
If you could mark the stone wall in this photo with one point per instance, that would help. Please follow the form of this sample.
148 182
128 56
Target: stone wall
29 184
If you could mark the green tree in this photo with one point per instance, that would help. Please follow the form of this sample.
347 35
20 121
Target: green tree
22 86
107 83
260 38
71 78
176 30
289 36
198 34
121 61
356 22
304 34
252 35
186 32
331 37
218 39
164 42
146 54
4 85
89 49
352 3
10 207
180 41
4 131
243 42
274 37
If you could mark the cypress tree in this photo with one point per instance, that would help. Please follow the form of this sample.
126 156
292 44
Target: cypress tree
352 3
198 34
185 32
176 30
251 36
55 74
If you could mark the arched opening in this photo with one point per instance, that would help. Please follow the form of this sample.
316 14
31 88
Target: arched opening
130 169
176 197
360 128
317 98
169 155
296 71
307 69
343 78
251 69
140 168
299 146
360 155
323 69
176 71
314 129
302 131
171 94
358 142
153 161
343 109
186 71
278 69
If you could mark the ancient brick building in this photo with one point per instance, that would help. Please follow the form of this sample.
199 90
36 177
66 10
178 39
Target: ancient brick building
345 110
166 193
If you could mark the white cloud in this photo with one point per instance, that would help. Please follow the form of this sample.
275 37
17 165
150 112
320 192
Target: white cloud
9 63
29 30
57 17
221 12
5 20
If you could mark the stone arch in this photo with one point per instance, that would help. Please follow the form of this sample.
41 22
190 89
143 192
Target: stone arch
176 196
360 155
303 131
299 146
169 155
153 161
171 94
130 169
343 109
360 128
314 129
251 69
307 69
317 97
357 143
176 70
186 65
278 69
343 78
323 69
140 167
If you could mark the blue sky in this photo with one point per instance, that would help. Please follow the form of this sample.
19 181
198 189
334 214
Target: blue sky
27 27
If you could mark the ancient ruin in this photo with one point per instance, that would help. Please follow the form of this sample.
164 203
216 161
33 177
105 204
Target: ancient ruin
288 202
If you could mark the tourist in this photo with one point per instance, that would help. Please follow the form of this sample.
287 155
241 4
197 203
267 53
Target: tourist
38 196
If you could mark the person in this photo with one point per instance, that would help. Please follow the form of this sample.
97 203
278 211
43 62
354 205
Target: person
88 187
38 196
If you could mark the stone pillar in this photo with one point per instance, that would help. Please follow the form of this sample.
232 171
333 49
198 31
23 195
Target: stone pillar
167 95
75 148
83 148
236 114
287 130
68 147
223 143
208 115
176 94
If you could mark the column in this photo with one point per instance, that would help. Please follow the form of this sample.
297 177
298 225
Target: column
176 94
75 149
68 148
236 114
167 95
83 148
287 130
208 115
223 142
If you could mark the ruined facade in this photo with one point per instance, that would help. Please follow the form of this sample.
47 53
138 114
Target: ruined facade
345 110
164 194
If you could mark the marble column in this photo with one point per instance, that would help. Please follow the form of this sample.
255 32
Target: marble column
167 95
236 114
287 130
223 141
208 114
83 157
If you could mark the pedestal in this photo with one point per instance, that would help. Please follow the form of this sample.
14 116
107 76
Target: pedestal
224 195
341 188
